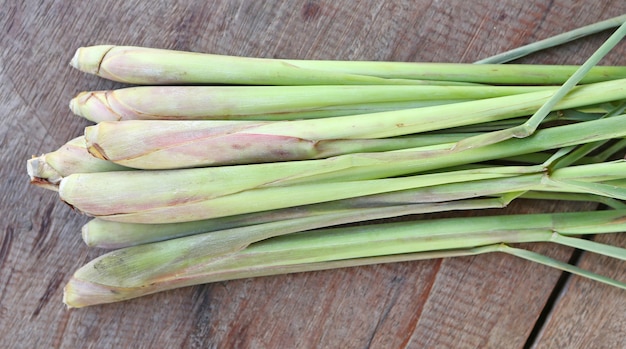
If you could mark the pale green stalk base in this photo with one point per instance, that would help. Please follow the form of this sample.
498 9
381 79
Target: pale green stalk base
109 234
196 194
145 269
47 170
157 144
147 66
153 144
271 102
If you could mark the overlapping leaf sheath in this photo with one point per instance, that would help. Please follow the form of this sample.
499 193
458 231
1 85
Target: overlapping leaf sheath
271 102
150 268
149 66
48 169
181 144
110 234
195 194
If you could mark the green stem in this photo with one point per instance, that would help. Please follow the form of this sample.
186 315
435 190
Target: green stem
193 194
182 144
139 270
590 246
538 258
271 102
233 236
137 65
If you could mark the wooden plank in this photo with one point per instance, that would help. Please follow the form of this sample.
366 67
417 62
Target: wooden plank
588 315
483 301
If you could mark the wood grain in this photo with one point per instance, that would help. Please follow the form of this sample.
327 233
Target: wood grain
588 315
489 301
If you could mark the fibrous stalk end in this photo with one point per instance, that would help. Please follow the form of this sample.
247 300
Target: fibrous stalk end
88 59
42 174
93 106
79 293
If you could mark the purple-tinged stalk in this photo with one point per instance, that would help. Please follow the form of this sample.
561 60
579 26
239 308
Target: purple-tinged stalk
196 194
48 169
149 66
157 144
271 102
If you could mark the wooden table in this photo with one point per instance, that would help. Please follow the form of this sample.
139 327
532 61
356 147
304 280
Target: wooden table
487 301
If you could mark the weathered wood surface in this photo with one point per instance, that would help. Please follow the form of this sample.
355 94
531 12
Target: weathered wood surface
490 301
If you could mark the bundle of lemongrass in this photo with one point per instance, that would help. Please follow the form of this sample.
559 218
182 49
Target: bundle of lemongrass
194 180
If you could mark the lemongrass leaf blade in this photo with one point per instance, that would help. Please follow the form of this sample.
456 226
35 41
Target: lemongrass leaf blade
554 41
535 120
591 246
541 259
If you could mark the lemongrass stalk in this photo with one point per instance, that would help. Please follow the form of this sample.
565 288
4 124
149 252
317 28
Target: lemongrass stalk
155 144
560 116
554 41
267 102
149 66
154 209
401 162
528 127
150 268
119 205
158 144
317 113
110 235
312 193
79 293
184 193
48 169
495 74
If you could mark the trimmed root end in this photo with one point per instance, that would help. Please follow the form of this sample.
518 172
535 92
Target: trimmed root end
78 294
88 59
42 174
